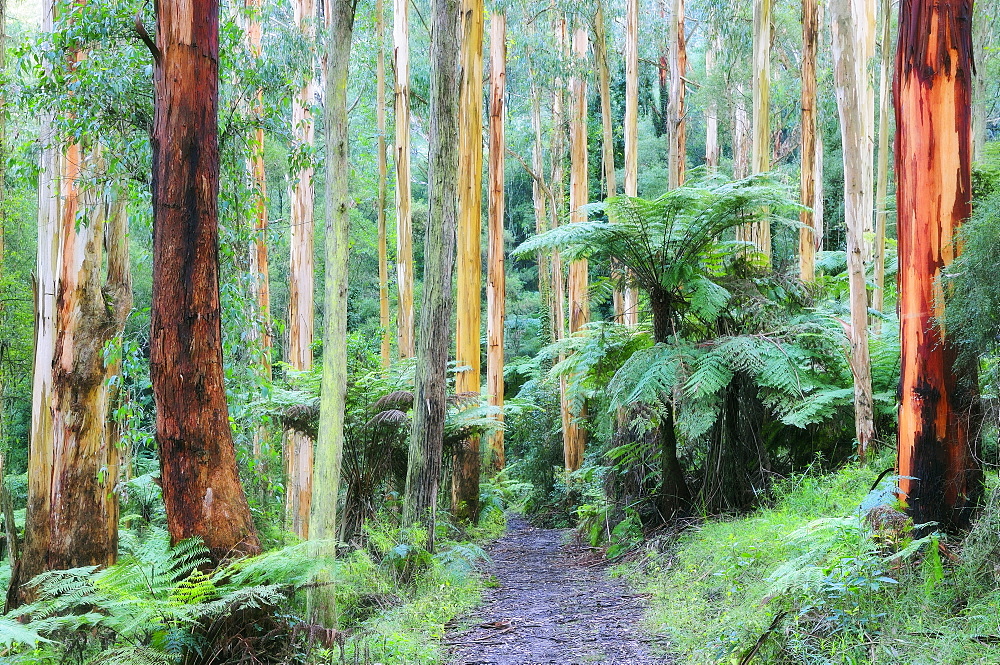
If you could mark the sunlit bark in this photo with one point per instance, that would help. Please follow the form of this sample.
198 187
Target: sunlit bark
404 214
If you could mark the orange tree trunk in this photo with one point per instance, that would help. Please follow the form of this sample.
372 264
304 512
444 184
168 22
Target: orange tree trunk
201 487
383 174
496 282
938 415
807 234
468 322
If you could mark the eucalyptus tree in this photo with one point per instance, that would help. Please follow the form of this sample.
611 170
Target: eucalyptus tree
496 281
298 448
469 259
853 44
201 487
809 122
404 214
940 477
430 385
671 247
84 299
337 213
383 175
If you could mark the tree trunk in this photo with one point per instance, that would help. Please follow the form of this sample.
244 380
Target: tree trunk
939 414
882 171
848 30
496 284
427 436
468 324
807 180
383 173
676 132
258 257
72 516
337 214
298 446
630 297
201 487
712 152
538 196
675 496
404 214
741 137
574 438
759 233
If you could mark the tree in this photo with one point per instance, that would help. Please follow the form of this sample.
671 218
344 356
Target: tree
430 387
201 488
630 302
807 180
383 173
852 42
938 418
676 132
760 85
496 283
670 247
882 170
298 446
468 321
404 215
574 436
337 213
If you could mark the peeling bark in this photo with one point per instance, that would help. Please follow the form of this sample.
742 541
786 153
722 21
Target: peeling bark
404 214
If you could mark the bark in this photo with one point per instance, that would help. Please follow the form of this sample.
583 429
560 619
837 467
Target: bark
258 257
712 152
939 416
201 487
630 296
558 156
299 447
383 174
807 180
427 435
574 437
759 233
882 172
337 214
72 516
404 214
676 125
848 23
468 324
741 134
539 192
496 285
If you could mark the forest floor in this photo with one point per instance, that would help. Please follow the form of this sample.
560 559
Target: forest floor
553 602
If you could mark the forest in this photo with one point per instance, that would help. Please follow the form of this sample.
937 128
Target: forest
506 331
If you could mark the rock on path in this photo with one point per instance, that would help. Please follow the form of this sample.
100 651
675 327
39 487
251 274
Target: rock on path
553 605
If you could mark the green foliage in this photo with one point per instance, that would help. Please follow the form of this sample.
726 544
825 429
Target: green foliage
827 574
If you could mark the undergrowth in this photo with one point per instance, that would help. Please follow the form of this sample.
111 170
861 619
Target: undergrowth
829 573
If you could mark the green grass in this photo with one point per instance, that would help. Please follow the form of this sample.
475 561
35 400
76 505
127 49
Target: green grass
812 556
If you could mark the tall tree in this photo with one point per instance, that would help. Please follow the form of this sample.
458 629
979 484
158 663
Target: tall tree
882 170
759 233
850 35
712 151
676 125
807 180
201 487
940 479
574 438
258 257
468 322
630 300
383 175
404 214
72 512
298 446
427 435
337 217
496 283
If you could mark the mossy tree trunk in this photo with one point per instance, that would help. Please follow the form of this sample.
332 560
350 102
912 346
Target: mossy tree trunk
427 437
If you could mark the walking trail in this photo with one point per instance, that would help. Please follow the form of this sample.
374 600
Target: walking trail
554 604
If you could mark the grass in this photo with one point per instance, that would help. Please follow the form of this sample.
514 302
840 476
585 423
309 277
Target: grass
842 594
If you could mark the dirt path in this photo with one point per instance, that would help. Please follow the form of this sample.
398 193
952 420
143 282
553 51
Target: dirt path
553 605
